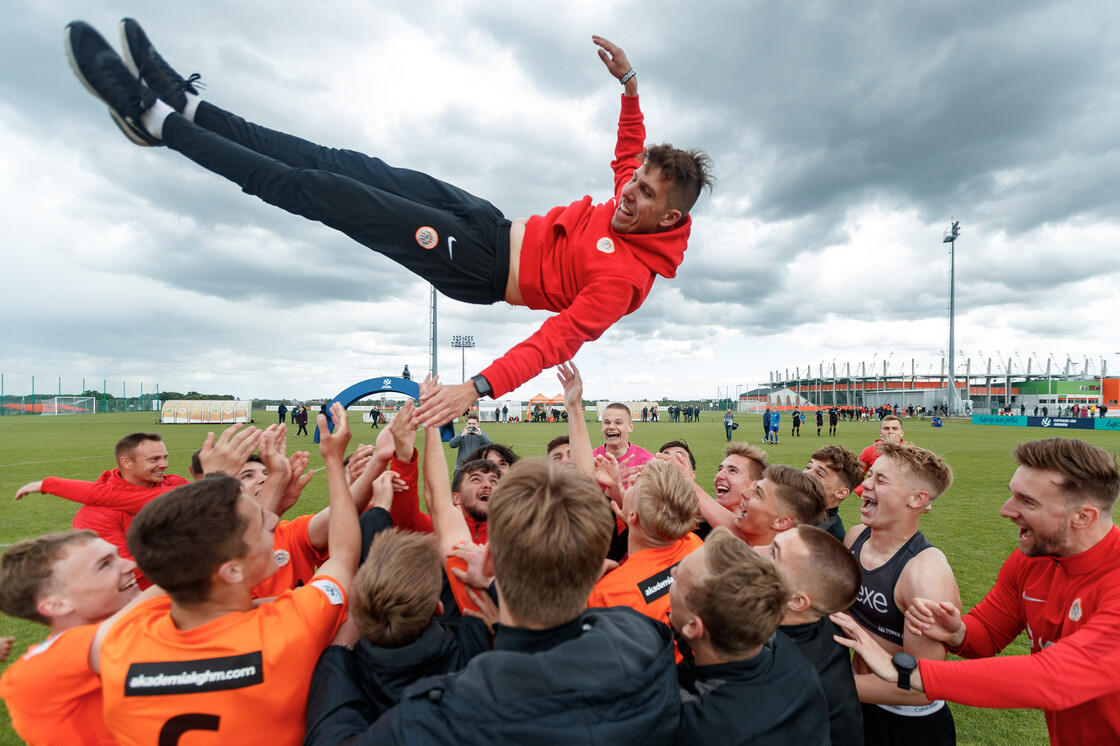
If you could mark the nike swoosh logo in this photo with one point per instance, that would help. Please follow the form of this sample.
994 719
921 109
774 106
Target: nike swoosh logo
451 247
1028 598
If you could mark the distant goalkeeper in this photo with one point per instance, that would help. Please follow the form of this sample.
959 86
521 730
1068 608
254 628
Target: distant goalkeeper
593 264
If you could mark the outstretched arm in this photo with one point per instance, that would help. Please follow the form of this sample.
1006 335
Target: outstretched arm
447 520
578 440
344 540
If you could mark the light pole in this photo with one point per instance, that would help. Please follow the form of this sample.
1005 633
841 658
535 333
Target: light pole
463 343
950 238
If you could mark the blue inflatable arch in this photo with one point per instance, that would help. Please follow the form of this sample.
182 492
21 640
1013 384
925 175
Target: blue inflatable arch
371 386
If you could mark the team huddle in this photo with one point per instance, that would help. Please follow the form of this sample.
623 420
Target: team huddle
596 595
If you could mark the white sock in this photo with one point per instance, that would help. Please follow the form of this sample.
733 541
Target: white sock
193 100
154 118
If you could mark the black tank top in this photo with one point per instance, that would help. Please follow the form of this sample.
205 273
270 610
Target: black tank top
874 608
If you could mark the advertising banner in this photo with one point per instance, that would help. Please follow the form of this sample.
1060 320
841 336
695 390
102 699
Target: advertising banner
1067 423
999 419
211 412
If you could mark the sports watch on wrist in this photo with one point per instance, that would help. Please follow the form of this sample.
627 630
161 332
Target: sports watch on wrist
905 664
481 385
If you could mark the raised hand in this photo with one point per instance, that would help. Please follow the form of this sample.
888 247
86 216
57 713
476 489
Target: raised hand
568 374
333 445
612 56
229 452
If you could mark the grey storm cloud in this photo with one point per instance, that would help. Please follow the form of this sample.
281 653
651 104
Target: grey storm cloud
845 137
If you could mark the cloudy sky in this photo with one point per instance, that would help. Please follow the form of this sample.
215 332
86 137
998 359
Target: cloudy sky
846 137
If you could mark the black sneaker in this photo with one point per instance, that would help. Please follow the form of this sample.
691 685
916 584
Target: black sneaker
104 74
151 68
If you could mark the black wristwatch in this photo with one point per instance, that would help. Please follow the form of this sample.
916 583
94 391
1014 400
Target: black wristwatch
905 664
481 385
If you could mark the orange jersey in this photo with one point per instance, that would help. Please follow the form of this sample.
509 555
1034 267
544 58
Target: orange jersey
642 581
241 678
296 558
52 694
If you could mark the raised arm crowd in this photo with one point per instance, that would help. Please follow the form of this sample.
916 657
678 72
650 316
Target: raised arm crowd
595 595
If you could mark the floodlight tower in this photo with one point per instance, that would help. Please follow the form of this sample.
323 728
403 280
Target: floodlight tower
950 238
463 343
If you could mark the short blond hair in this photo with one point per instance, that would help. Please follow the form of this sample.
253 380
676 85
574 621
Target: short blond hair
394 594
921 464
550 529
740 597
802 494
665 501
754 454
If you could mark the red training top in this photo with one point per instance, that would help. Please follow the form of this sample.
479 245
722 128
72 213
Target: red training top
1070 608
406 513
574 263
109 504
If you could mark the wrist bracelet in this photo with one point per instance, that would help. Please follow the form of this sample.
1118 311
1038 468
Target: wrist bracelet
629 74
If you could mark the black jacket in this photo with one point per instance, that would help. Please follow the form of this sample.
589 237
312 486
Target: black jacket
607 677
834 665
351 689
772 699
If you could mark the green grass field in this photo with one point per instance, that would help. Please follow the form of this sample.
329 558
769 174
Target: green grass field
965 523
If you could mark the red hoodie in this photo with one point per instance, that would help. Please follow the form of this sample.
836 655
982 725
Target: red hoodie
109 504
1070 609
573 262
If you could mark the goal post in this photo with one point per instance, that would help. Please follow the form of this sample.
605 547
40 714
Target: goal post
70 405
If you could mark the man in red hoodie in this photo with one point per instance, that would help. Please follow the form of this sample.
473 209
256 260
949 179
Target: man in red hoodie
138 479
110 503
592 264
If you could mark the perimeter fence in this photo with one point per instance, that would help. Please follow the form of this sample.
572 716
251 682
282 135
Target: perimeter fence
36 395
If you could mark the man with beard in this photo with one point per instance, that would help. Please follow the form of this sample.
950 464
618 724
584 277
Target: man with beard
1061 587
470 489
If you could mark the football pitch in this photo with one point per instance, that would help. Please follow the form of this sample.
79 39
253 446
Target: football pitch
965 522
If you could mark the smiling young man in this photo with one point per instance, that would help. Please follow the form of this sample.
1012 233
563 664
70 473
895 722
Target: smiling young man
1062 587
206 657
737 474
840 473
109 504
71 582
592 264
617 425
782 499
898 566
